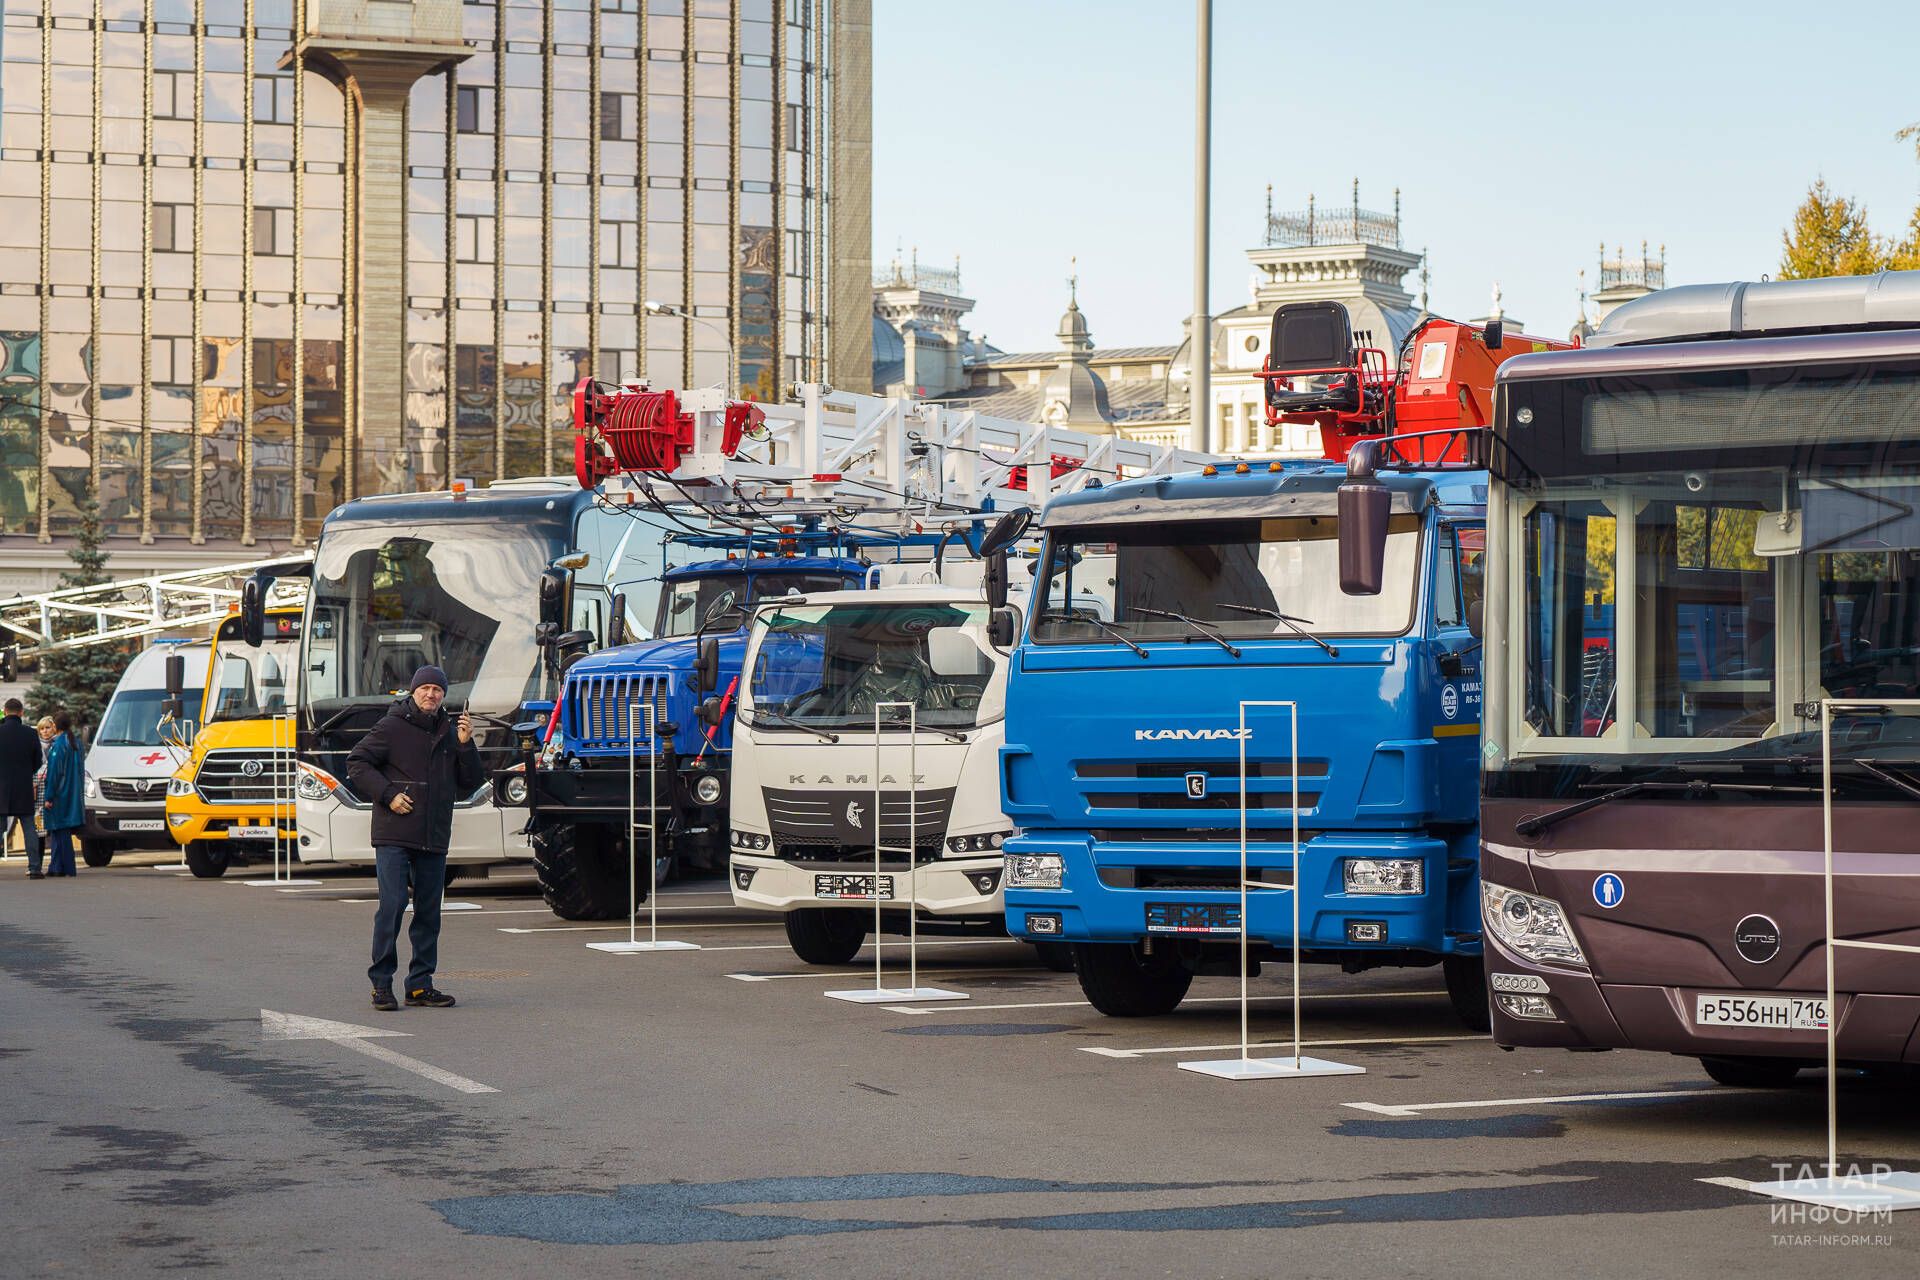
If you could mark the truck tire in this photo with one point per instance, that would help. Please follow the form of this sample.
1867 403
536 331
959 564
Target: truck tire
583 872
1122 983
1467 990
97 853
1057 956
1751 1073
207 859
821 935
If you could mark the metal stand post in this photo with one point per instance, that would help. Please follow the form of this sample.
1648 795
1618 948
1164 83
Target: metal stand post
1881 1188
1247 1067
283 773
633 945
880 993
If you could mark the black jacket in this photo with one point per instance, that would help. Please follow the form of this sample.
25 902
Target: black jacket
411 751
20 756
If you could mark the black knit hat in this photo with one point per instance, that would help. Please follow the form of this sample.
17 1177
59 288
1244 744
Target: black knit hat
428 675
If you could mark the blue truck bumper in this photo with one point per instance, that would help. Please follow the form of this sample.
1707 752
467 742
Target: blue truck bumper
1127 893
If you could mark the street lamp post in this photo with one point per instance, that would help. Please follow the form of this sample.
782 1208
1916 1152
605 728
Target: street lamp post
1202 351
653 308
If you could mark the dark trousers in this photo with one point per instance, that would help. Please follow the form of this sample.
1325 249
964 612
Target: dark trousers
27 833
399 871
60 855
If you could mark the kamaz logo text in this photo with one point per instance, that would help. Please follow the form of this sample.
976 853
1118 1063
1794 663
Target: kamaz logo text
1191 735
851 780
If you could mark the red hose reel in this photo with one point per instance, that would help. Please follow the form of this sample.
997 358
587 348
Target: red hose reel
634 429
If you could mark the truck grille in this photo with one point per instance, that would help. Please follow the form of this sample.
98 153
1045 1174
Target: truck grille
599 709
1162 785
135 790
245 777
817 824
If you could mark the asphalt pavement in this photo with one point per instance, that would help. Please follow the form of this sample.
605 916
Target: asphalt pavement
193 1079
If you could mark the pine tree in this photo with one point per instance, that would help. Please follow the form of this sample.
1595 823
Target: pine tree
1830 237
79 681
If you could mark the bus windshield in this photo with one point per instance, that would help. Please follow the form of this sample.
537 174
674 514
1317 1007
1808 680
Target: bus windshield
250 683
836 666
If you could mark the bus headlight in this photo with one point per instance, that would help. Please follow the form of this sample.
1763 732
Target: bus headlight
1534 927
707 789
178 786
1035 870
314 783
1385 875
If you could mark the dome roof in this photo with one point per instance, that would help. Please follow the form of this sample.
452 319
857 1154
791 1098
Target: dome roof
1073 332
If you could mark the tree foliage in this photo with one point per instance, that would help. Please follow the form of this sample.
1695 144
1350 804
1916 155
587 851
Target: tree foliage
80 681
1830 237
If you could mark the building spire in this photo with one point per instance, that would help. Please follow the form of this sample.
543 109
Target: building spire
1073 281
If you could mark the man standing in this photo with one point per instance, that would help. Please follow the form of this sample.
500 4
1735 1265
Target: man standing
412 766
19 760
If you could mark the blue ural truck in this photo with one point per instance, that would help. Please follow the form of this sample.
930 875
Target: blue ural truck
1128 733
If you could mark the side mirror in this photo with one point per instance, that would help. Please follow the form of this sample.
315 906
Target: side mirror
1494 334
571 646
1364 507
994 578
10 663
1003 627
617 620
1006 531
706 668
553 596
1476 618
709 712
253 610
174 706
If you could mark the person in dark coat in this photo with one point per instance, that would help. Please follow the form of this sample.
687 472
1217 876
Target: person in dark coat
66 806
412 766
20 759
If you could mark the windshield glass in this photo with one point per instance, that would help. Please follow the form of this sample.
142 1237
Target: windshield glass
133 720
686 604
387 600
1697 572
1231 575
830 666
250 683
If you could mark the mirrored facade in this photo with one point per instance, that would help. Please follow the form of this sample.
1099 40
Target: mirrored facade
233 294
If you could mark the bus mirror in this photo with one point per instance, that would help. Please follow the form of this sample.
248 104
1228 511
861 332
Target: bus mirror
706 669
553 596
571 646
617 620
709 712
995 579
253 610
176 675
1002 626
1476 617
1364 505
1006 531
9 664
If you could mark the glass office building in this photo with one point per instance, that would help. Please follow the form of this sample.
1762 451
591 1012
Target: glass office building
260 257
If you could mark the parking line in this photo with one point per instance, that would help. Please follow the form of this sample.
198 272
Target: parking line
1105 1052
602 928
860 973
1415 1108
923 1010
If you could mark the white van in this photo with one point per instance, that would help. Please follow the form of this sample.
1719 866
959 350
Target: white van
133 753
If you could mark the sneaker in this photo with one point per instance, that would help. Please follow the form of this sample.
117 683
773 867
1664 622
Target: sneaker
383 1000
429 998
36 875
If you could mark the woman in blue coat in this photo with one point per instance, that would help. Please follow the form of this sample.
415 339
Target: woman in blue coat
65 804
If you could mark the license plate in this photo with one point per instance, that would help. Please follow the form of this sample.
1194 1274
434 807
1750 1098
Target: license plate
838 886
250 833
1782 1013
142 824
1193 917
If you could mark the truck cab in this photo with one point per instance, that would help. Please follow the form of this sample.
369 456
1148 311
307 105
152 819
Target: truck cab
1147 742
133 753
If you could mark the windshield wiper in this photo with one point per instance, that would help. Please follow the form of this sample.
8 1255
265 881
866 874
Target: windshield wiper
784 718
1892 780
1533 824
1076 615
949 734
1292 622
1195 623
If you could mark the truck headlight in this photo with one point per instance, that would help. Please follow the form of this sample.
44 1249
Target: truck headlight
1385 875
707 789
314 783
515 791
985 842
1035 870
179 786
1534 927
92 786
751 839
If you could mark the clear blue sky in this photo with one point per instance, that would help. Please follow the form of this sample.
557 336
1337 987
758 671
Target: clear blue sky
1019 135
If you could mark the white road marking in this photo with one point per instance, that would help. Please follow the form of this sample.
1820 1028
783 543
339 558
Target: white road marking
602 928
857 973
1738 1184
1072 1004
1282 1044
1415 1108
275 1025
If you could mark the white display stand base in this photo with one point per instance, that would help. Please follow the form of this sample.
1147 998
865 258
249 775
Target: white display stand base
1271 1068
453 906
276 884
896 995
171 866
634 948
1879 1191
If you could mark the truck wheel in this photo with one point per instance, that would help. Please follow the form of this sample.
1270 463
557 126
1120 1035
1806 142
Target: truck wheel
207 859
1057 956
1467 989
1122 983
583 872
1751 1073
823 936
97 853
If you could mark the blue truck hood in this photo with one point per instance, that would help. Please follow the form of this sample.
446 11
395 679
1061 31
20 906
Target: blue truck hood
676 654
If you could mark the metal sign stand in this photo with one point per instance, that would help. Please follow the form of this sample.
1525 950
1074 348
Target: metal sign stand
1247 1067
283 806
1881 1189
879 992
651 826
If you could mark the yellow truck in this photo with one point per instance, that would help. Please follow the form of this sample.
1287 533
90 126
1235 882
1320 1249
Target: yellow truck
232 801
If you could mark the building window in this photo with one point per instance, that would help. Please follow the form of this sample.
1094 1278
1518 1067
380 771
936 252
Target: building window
613 115
173 228
473 239
473 369
272 231
618 244
272 100
172 361
607 366
473 109
796 126
173 95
